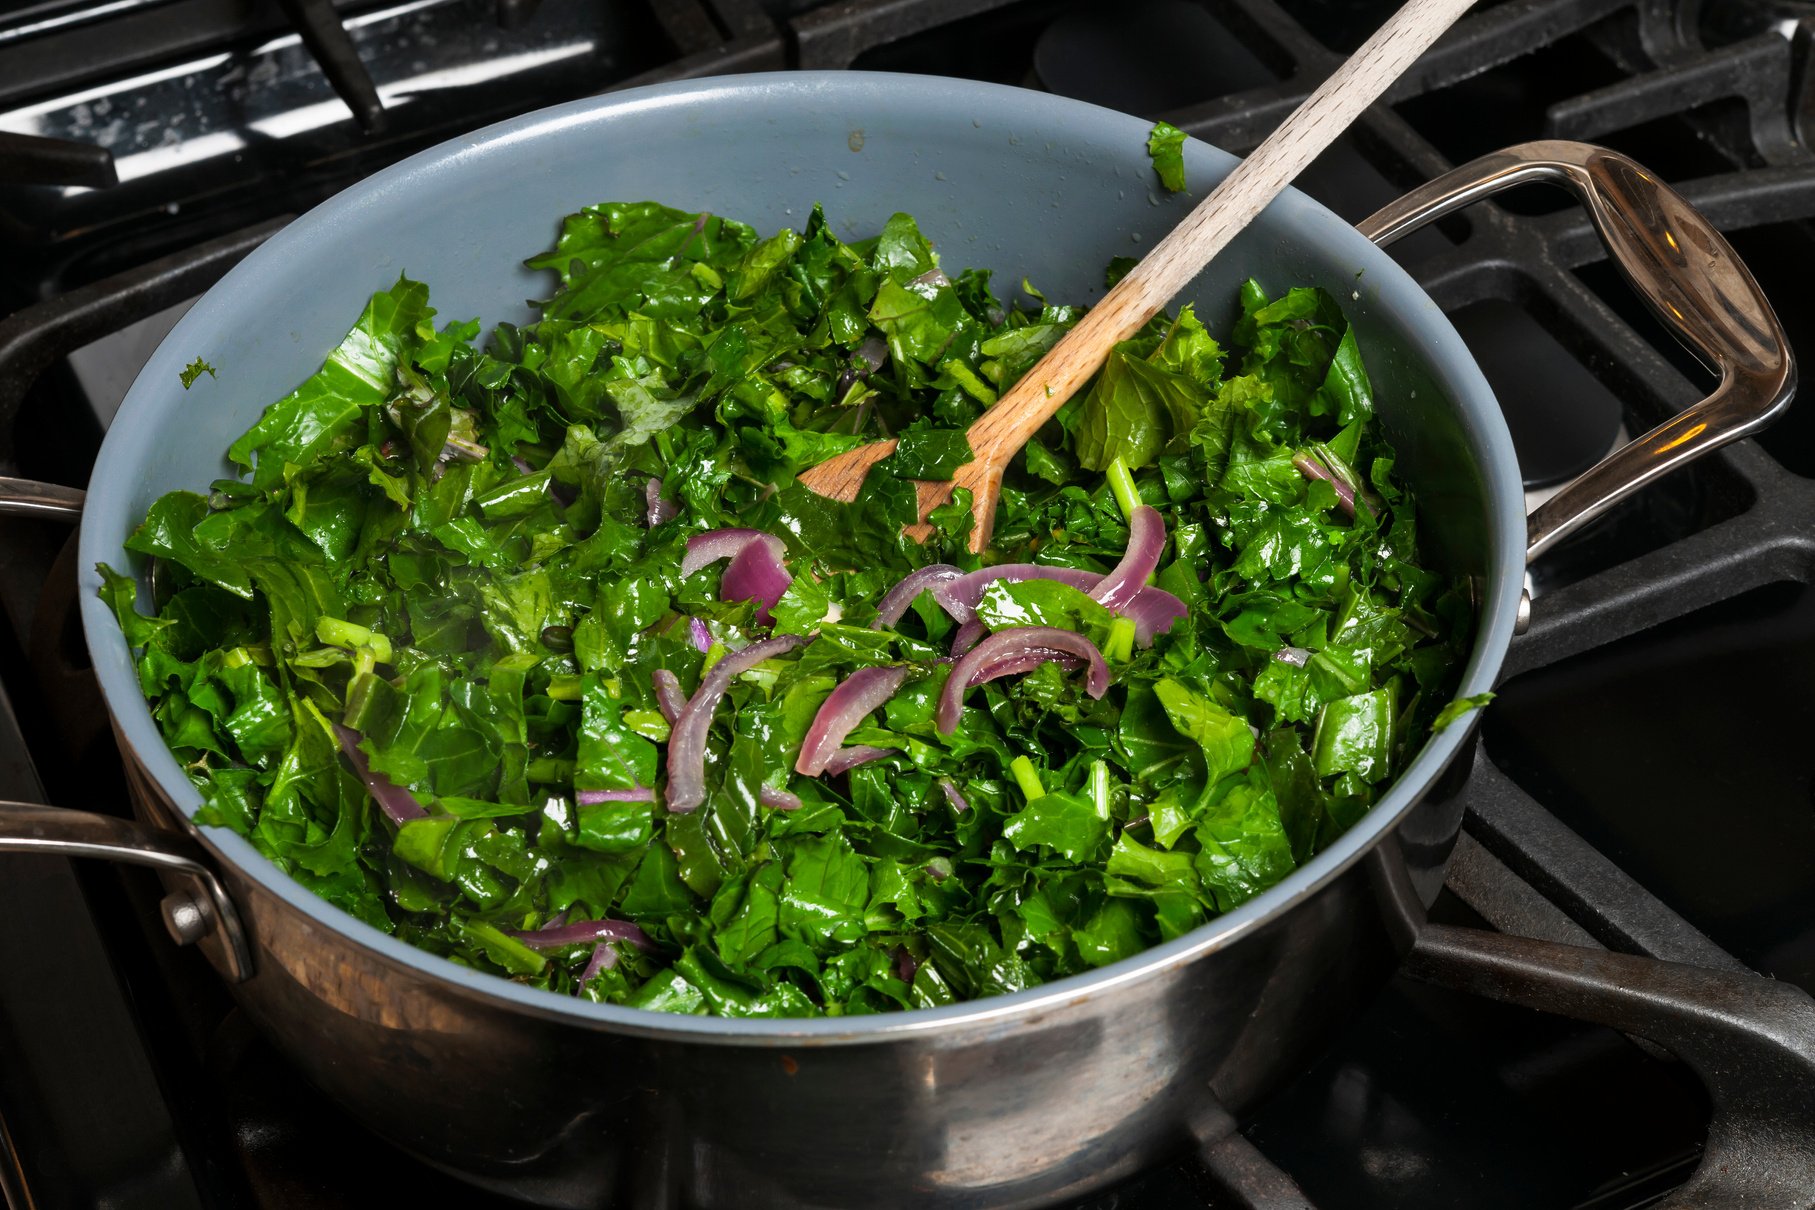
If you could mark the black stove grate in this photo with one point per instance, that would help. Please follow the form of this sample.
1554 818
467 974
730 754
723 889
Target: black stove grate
1715 101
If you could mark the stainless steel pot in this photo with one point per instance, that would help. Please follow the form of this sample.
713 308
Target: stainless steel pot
1011 1101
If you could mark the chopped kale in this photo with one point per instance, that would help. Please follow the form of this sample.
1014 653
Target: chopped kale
1166 148
447 564
195 370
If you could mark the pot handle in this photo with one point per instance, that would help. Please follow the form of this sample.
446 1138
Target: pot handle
1687 274
29 498
1751 1041
31 828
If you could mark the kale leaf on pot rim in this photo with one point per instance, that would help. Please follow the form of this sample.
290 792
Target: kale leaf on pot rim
517 650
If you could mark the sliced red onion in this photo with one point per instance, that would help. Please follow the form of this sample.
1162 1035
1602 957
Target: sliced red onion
668 696
932 277
604 957
1154 610
939 869
779 800
395 801
854 698
1024 662
844 760
968 636
960 596
906 965
756 574
555 936
1146 538
635 794
459 449
522 464
954 795
699 635
895 602
716 544
874 351
1015 650
660 510
687 742
1313 468
1298 657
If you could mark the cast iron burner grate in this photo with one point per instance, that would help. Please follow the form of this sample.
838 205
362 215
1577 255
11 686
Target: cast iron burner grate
199 1110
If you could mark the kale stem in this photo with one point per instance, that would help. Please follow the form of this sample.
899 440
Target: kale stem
1099 787
1027 777
336 633
549 770
1118 648
1121 483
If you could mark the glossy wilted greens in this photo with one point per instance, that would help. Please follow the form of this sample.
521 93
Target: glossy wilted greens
446 549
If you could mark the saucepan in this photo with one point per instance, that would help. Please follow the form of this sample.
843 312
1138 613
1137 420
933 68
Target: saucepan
1016 1100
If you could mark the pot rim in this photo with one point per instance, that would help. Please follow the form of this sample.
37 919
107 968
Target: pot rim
1391 291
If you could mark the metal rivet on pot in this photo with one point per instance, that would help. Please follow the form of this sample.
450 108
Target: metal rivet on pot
185 917
1522 619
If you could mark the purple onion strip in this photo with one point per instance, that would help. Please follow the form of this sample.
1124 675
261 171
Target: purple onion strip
660 511
604 957
1313 468
960 596
556 936
1154 610
395 801
699 635
637 794
896 601
779 800
716 544
687 742
1017 649
844 760
1022 662
968 636
874 351
954 795
757 574
668 696
1146 538
854 698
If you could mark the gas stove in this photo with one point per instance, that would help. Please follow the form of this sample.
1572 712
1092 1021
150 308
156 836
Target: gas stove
1641 785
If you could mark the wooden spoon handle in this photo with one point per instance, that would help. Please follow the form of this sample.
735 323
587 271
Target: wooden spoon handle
1182 255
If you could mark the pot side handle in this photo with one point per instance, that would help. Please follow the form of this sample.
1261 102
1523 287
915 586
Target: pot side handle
49 501
31 828
1688 275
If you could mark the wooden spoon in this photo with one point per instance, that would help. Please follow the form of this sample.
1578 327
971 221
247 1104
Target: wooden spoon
1001 431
